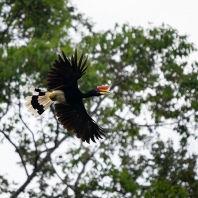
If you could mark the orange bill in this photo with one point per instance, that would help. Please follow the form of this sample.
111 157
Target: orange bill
104 90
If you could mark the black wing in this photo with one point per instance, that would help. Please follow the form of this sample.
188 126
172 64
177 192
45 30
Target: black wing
64 72
75 118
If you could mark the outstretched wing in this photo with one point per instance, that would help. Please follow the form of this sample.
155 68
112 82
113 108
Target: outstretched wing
75 118
65 72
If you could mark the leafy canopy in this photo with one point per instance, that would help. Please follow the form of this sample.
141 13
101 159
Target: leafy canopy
155 88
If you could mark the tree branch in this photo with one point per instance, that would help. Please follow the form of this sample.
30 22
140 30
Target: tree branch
6 110
98 105
70 186
39 166
57 124
84 166
36 151
17 150
146 125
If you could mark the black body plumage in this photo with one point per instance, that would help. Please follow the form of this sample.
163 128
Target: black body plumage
72 114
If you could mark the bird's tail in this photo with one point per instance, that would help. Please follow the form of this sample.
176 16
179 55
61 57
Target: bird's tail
38 102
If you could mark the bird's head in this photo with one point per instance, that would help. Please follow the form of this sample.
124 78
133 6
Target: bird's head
98 91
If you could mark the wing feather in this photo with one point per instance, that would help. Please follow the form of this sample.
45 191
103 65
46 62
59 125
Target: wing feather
80 60
75 118
75 56
84 65
65 72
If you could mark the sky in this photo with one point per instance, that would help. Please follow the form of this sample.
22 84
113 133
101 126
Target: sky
181 15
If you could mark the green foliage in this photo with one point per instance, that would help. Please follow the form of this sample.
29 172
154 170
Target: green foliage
149 63
154 87
164 189
174 175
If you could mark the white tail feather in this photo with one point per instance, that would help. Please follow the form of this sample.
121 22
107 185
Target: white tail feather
32 89
28 104
38 102
47 104
28 98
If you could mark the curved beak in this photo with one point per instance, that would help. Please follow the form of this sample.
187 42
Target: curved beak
104 90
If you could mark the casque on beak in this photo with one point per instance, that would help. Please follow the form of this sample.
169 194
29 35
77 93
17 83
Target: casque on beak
104 90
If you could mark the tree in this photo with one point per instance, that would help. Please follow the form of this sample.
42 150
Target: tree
154 87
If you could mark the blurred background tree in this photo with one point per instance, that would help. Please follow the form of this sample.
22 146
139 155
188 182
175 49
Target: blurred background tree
155 87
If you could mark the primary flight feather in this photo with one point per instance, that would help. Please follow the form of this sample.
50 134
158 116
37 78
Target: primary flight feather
70 110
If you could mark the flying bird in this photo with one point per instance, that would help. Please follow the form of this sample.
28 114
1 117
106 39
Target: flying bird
62 79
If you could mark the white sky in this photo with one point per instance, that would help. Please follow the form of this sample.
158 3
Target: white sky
181 15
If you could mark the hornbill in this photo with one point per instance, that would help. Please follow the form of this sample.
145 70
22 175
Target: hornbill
62 79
